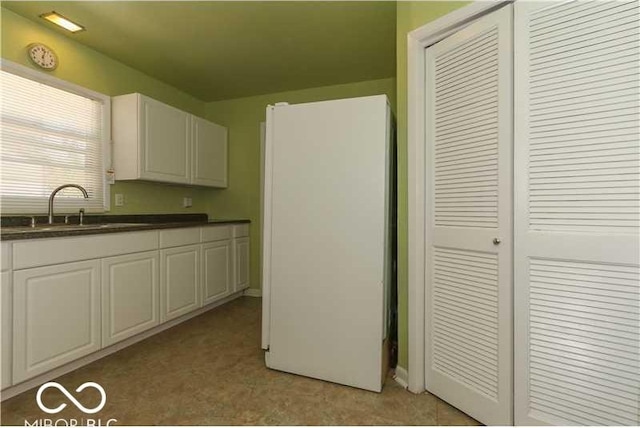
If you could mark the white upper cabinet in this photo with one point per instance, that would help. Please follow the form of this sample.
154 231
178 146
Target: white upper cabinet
151 140
209 153
157 142
163 134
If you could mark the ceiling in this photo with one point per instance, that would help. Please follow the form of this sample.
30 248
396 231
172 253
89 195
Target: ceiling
227 49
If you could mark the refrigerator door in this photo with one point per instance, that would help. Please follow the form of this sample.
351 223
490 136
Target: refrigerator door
326 238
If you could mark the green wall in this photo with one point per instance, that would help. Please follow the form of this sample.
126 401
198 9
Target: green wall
86 67
409 15
91 69
243 116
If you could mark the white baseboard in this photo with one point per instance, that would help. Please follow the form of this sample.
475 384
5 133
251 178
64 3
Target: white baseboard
402 377
253 292
74 365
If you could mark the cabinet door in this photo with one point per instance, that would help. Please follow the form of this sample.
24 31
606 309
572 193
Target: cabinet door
7 322
241 263
56 316
179 281
164 142
216 270
129 295
209 153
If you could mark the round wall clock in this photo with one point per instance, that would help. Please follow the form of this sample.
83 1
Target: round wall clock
42 56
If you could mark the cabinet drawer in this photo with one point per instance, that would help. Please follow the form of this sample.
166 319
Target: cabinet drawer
178 237
42 252
5 256
240 230
215 233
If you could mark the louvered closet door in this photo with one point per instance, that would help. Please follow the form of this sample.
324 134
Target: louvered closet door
577 213
469 277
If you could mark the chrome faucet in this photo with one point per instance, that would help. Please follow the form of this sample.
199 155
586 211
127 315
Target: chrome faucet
53 194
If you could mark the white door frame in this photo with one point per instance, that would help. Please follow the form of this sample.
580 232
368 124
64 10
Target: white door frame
417 41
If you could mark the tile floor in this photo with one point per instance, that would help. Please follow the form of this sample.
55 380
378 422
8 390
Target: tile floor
210 371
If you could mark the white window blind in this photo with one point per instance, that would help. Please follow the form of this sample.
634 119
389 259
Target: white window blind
51 136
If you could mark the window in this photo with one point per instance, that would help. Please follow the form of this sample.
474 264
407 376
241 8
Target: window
53 133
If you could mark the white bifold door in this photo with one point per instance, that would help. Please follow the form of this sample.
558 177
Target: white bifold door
566 98
577 163
469 230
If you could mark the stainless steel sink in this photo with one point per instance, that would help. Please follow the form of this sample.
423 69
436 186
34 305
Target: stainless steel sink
62 227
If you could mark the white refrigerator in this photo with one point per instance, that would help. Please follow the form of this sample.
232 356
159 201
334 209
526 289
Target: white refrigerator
326 240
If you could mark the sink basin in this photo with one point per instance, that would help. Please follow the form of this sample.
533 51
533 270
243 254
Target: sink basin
61 227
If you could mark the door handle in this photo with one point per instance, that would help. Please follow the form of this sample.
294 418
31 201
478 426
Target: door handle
496 241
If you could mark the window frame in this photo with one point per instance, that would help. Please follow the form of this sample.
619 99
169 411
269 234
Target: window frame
47 79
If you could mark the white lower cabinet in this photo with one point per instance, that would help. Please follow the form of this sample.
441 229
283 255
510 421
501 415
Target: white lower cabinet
56 316
216 270
7 321
179 281
130 295
241 257
241 263
56 308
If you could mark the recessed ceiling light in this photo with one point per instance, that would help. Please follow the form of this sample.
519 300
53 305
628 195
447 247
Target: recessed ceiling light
63 22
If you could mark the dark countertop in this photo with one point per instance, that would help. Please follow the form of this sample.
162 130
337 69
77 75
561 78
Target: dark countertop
18 227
